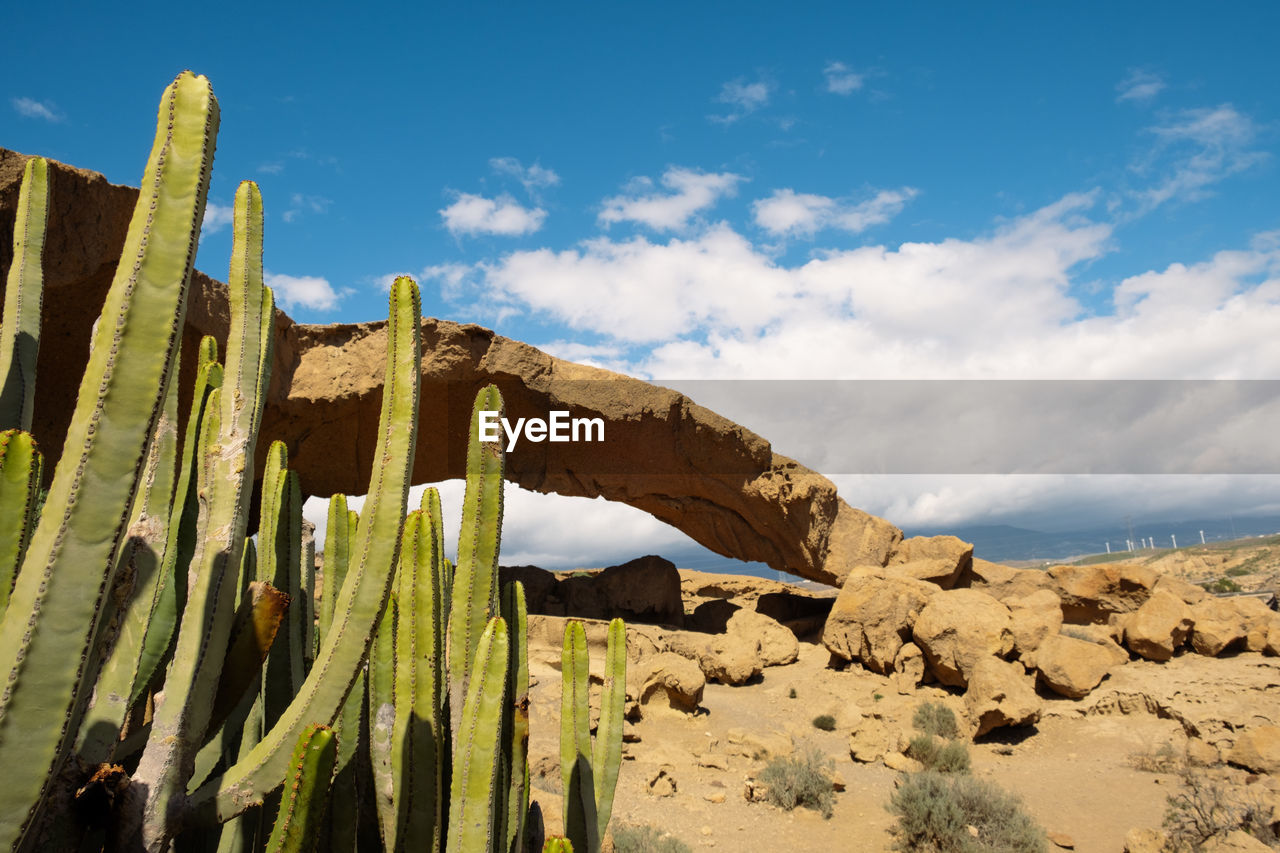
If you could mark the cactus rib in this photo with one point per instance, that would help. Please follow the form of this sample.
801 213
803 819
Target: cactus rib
24 294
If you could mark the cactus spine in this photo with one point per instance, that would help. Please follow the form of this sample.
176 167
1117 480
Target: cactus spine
23 296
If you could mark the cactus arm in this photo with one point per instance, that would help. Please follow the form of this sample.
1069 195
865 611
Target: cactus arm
516 721
556 844
276 567
253 632
344 812
337 554
58 599
381 685
297 827
478 542
23 296
606 758
364 594
227 444
575 741
475 759
138 568
307 576
20 464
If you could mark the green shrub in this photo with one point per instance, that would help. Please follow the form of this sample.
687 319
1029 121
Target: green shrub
935 812
800 781
646 839
826 722
1237 571
934 718
1221 585
949 757
1208 808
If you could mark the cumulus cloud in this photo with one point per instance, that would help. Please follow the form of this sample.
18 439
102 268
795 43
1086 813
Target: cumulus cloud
1195 149
216 217
690 191
474 214
841 80
302 291
788 213
31 108
1139 85
743 98
532 178
300 203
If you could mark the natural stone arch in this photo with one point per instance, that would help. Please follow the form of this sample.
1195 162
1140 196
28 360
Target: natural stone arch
715 480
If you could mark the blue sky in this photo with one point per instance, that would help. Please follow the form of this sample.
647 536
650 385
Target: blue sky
731 190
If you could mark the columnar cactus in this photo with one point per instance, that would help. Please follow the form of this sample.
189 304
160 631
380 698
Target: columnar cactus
20 334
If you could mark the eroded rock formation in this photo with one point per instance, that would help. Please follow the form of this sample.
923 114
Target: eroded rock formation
711 478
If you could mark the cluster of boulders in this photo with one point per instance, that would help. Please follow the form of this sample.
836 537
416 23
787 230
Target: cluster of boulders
933 613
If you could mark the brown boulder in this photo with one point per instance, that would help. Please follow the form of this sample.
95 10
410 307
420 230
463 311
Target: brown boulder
958 628
539 586
1071 667
908 668
1000 694
1219 626
774 644
1188 592
1092 593
1258 621
1257 749
1159 627
1001 582
1033 618
873 617
705 475
940 560
668 680
646 589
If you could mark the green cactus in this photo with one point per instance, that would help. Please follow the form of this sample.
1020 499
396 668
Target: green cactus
54 613
311 766
20 464
590 773
557 844
23 296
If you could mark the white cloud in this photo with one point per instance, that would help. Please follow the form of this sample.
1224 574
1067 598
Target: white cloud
532 178
743 98
841 79
302 291
300 203
1139 85
474 214
216 217
1195 149
31 108
690 192
787 212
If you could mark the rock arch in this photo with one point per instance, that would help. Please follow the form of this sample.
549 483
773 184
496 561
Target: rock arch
713 479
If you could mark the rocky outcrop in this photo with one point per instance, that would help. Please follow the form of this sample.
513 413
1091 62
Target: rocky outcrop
941 560
669 681
1218 626
1257 749
1090 594
1000 694
646 589
711 478
1071 667
1034 618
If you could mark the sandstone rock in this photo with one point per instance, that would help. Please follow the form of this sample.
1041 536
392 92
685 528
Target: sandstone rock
731 660
1091 593
908 668
711 617
1258 749
1000 694
758 745
1001 582
1219 626
1071 667
1102 636
675 679
959 627
870 741
646 589
802 614
1033 618
1159 627
774 644
902 763
713 761
1201 753
940 560
662 782
872 618
1062 839
1273 639
715 480
1146 841
1258 620
539 585
1188 592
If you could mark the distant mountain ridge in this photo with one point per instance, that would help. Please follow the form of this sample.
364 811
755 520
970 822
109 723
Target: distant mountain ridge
1001 542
